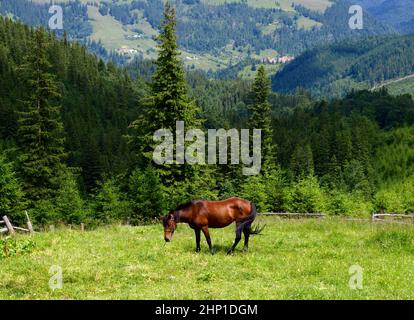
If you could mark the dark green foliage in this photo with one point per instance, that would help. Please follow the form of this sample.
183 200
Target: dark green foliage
146 195
394 158
302 161
70 206
167 103
254 189
261 116
335 69
13 246
76 22
346 156
11 194
306 196
40 130
108 205
97 101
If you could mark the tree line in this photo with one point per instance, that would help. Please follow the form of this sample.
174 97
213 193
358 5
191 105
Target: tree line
76 137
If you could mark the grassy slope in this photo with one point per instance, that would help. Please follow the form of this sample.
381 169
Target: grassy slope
247 72
112 34
291 260
402 87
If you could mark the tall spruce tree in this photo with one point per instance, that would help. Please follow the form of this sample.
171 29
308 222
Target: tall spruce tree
261 117
167 103
40 130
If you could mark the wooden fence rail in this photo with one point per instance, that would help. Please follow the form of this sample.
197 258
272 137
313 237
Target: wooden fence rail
9 228
382 216
375 217
294 215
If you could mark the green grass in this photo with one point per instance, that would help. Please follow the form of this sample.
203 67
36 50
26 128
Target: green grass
293 259
248 73
307 24
402 87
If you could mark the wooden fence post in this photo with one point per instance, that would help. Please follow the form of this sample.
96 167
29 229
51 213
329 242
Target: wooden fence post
29 223
82 227
8 225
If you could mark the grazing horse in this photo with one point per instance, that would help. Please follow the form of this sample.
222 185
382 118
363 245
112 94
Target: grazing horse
204 214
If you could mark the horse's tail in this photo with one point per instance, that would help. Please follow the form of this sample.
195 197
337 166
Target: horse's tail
249 221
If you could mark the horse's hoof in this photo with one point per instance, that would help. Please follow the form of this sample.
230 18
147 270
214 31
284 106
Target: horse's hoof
198 250
245 249
230 252
213 252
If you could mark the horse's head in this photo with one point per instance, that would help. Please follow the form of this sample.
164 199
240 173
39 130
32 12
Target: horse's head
169 226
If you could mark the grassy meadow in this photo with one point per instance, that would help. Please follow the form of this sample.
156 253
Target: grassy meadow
293 259
401 87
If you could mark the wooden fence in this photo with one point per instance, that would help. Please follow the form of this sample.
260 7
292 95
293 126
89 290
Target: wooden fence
376 217
393 216
7 227
294 215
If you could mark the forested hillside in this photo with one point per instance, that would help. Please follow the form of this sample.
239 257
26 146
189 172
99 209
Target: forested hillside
396 13
76 134
98 100
237 30
356 63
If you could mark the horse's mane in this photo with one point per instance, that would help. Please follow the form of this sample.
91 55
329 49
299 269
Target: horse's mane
187 204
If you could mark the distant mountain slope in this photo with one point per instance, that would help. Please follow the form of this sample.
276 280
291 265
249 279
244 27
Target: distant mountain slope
213 34
357 63
405 86
397 13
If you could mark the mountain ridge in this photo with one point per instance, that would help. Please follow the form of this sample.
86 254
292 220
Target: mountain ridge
335 69
237 30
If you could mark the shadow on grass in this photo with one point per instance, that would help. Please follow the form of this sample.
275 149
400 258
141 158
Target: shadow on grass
217 248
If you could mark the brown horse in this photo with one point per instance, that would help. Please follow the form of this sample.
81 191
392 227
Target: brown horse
204 214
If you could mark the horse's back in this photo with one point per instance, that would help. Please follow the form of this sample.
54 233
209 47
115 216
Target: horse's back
234 201
223 212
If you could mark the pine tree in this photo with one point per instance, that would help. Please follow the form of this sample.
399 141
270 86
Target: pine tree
261 117
302 161
40 131
11 195
168 101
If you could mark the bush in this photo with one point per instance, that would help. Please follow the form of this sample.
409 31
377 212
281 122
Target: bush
398 198
44 211
275 186
255 190
305 196
107 205
228 189
15 246
201 185
147 195
69 203
353 204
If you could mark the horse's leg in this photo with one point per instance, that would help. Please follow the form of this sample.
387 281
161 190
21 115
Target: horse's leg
197 235
246 232
239 227
207 235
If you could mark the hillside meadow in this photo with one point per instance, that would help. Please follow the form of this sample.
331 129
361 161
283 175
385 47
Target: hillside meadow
292 259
